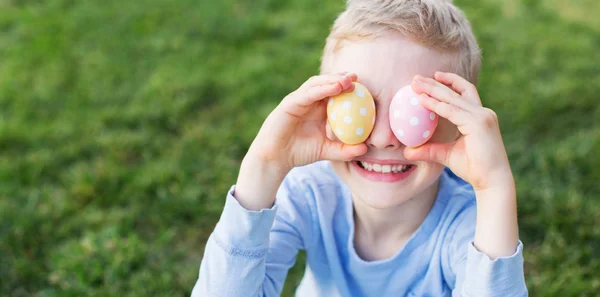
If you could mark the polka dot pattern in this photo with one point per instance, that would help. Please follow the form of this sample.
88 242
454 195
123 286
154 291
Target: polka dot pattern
359 92
351 115
414 101
411 123
360 131
414 121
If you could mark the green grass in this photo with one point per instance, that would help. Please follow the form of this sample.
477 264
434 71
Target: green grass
122 125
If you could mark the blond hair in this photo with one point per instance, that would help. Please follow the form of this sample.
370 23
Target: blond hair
435 24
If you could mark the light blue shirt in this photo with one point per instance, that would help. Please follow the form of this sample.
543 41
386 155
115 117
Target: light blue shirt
249 253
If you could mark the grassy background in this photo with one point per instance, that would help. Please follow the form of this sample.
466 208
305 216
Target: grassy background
122 124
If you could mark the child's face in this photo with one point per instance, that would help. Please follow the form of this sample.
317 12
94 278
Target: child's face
384 66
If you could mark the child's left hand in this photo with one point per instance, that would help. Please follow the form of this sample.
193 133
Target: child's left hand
478 156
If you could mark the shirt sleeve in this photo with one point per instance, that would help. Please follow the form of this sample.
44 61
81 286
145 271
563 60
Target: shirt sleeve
476 275
250 253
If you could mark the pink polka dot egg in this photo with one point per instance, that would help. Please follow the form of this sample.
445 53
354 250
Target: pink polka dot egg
351 115
410 122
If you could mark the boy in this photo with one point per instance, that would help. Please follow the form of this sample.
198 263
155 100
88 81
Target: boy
376 218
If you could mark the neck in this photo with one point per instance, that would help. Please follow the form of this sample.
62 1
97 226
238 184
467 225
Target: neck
392 226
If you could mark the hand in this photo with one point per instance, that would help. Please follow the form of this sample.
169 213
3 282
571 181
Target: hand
294 133
478 155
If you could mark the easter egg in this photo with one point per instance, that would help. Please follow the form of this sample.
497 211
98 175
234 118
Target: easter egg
410 122
351 115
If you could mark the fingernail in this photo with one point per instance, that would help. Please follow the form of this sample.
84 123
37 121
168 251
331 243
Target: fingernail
418 78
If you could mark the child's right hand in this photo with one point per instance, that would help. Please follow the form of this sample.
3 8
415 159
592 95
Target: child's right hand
294 134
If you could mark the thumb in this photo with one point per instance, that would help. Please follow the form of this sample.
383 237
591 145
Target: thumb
433 152
334 150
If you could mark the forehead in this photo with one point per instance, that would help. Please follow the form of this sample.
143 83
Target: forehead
388 63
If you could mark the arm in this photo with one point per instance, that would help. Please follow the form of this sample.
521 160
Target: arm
258 236
491 264
494 265
472 272
496 230
250 252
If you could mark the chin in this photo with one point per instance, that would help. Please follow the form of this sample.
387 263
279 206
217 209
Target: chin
387 183
380 200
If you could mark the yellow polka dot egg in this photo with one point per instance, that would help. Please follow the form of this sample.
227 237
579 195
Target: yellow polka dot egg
351 115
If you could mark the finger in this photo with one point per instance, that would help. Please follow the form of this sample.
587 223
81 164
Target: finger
342 152
344 78
299 103
452 113
459 85
431 152
329 132
439 91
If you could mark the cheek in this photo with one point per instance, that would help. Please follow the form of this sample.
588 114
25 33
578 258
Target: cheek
445 132
340 167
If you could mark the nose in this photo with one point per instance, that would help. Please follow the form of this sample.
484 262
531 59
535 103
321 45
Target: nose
382 136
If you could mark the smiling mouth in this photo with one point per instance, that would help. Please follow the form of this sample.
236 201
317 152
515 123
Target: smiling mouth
387 168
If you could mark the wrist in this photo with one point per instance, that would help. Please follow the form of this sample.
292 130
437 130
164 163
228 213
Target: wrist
258 181
497 231
496 228
264 164
499 180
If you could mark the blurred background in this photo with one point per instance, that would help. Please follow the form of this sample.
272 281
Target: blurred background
123 123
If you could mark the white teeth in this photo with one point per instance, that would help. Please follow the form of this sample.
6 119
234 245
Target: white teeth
386 168
383 168
376 167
